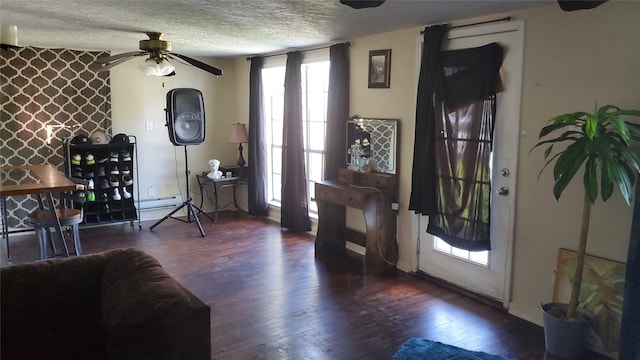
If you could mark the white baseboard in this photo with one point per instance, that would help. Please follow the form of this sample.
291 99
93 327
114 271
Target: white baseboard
274 214
355 248
404 265
531 315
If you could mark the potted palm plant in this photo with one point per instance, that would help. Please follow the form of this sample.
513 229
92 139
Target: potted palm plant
599 142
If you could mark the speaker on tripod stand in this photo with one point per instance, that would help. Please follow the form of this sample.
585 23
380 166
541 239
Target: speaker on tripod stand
186 126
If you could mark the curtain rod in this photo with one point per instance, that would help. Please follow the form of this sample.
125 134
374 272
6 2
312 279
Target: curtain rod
305 50
506 18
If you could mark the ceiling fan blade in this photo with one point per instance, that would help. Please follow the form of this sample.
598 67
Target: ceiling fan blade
199 64
108 59
176 59
362 4
568 5
111 64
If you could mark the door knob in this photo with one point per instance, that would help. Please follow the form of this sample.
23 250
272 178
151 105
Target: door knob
503 191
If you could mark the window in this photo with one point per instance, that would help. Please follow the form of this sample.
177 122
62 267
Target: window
475 257
315 85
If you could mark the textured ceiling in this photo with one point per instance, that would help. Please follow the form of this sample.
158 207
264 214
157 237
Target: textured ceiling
225 27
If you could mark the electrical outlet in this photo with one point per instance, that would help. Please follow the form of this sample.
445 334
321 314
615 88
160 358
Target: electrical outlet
149 125
152 191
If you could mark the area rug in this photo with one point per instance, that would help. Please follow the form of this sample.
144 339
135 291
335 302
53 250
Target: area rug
426 349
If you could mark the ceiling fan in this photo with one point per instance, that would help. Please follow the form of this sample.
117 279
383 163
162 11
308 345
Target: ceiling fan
362 4
158 51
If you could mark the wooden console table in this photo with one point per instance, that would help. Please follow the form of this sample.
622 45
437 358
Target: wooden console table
371 192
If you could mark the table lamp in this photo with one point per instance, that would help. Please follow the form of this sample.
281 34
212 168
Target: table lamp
238 136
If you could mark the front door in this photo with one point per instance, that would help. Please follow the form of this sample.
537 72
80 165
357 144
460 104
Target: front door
487 273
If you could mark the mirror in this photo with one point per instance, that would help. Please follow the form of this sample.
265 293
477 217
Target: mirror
371 144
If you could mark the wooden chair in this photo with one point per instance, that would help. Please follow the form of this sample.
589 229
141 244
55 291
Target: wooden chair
70 213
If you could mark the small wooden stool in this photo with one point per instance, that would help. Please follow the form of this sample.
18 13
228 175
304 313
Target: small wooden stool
42 222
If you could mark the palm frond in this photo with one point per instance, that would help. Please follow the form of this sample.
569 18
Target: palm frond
600 141
566 136
590 179
623 176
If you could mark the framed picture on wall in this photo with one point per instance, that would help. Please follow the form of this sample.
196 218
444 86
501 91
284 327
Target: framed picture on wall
380 68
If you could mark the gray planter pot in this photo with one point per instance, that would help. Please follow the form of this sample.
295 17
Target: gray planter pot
565 338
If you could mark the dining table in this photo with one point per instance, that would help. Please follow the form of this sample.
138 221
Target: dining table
40 180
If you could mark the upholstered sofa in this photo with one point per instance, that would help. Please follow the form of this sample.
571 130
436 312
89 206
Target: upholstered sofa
118 304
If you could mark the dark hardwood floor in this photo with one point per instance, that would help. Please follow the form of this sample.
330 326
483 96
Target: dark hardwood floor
271 299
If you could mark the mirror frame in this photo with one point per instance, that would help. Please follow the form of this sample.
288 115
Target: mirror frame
383 153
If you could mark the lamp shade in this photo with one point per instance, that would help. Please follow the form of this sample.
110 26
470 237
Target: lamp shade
238 134
152 67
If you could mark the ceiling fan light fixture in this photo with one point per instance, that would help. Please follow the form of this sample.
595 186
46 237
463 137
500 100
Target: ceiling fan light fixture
156 64
9 36
156 68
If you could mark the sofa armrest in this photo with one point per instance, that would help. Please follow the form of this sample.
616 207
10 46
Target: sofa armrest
198 344
148 315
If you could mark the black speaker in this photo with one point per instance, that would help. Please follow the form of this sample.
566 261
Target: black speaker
185 116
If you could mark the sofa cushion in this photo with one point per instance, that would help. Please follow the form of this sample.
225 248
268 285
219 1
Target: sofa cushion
52 307
147 314
136 289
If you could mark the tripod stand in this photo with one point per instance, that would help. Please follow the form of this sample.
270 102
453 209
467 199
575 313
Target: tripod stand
191 208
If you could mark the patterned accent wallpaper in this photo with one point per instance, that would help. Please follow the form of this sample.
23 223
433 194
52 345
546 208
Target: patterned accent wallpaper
41 87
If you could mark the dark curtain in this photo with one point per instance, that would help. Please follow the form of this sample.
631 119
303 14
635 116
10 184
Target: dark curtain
630 328
465 113
295 210
337 110
257 176
455 114
422 199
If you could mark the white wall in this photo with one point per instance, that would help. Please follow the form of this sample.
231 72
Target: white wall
572 60
137 98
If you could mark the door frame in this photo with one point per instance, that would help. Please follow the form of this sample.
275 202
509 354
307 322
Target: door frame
511 26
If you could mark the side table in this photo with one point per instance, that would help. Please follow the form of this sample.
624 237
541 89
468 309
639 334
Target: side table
218 185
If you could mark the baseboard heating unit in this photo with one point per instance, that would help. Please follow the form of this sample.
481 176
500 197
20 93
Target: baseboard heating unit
160 203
